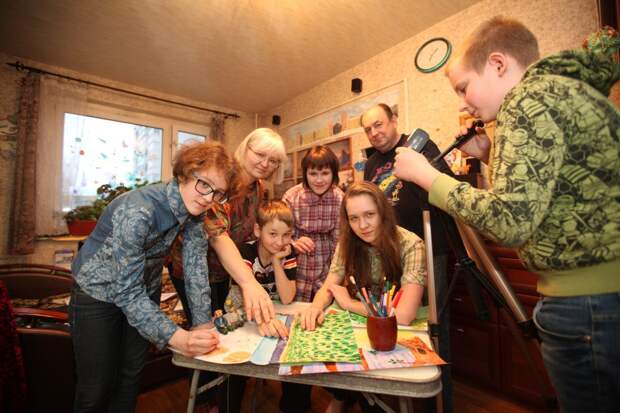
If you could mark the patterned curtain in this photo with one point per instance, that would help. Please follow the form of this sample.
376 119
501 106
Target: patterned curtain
217 127
23 213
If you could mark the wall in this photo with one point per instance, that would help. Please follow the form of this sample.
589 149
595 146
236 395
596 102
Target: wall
235 129
432 105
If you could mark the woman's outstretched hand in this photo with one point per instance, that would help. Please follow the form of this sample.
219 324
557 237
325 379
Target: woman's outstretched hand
258 305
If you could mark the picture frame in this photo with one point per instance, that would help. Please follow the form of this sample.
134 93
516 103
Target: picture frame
342 149
299 155
290 165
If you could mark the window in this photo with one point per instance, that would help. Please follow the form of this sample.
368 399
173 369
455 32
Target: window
94 137
100 151
112 146
185 138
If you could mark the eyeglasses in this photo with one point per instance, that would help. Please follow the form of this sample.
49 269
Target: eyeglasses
262 157
203 188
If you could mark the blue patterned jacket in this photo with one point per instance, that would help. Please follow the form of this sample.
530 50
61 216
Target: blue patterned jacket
121 261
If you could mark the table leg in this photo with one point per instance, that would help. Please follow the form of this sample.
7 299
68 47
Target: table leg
405 404
375 399
258 388
193 387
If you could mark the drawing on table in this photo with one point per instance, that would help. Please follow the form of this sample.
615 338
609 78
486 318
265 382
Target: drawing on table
235 347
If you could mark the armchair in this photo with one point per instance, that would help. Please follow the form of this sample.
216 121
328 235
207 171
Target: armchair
47 354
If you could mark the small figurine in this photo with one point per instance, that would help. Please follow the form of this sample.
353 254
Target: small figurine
234 316
221 324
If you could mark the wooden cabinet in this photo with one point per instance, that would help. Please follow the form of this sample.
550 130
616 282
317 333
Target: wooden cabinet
485 351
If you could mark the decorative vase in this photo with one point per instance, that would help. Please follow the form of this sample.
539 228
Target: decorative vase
78 227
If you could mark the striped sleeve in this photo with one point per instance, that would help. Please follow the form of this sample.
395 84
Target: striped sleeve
290 266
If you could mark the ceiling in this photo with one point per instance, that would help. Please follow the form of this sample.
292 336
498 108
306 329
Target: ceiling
248 55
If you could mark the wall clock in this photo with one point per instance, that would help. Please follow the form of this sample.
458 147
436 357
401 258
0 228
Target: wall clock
433 54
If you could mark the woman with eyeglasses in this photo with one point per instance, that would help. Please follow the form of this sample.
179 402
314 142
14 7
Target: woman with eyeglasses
114 309
228 224
260 155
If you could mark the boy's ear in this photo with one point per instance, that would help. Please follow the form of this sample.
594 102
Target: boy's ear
256 230
498 62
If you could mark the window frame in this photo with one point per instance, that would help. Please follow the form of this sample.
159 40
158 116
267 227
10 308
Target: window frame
50 219
169 127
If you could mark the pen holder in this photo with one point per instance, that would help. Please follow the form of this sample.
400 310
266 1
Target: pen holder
382 332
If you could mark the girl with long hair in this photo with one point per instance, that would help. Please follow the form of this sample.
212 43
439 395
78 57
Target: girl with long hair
374 250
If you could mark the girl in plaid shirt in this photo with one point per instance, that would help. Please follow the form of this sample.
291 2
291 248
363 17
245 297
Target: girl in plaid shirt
316 206
371 248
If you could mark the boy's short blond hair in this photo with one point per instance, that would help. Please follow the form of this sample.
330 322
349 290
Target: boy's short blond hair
272 210
499 34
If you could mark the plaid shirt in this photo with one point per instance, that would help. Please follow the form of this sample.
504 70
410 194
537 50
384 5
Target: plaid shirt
236 218
316 217
412 256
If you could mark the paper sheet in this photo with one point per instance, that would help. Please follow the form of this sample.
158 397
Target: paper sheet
235 347
333 341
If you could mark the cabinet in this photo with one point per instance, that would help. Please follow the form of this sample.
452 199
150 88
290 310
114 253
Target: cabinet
485 351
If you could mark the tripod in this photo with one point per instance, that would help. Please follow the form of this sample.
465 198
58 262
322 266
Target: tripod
499 290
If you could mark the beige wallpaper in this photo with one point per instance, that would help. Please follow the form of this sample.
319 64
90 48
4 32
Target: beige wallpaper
558 24
9 96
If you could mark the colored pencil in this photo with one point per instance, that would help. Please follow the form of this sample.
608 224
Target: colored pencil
390 301
366 296
359 296
375 305
396 301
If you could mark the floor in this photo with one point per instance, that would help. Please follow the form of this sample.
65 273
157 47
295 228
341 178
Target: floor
172 398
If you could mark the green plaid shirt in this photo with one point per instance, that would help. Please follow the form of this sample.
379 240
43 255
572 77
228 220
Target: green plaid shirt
412 256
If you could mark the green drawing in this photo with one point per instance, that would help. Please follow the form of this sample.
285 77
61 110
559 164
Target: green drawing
332 341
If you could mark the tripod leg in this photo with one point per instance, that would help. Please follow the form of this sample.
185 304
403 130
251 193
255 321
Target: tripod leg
521 342
519 325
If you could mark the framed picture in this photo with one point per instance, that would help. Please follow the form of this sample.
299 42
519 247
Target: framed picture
299 156
342 149
290 164
346 178
344 119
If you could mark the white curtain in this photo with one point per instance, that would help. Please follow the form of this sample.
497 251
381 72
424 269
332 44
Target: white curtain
57 97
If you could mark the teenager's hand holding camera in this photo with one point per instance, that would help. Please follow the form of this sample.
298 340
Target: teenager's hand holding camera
412 166
478 146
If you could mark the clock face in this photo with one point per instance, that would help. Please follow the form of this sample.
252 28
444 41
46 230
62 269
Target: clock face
432 55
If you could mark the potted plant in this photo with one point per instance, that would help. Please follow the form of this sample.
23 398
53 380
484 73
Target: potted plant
82 220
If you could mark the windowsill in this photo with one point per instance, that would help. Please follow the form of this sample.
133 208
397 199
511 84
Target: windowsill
63 238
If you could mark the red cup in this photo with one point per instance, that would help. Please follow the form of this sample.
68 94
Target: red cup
382 332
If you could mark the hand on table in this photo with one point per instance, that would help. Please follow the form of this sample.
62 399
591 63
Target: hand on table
258 305
310 318
274 328
195 342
